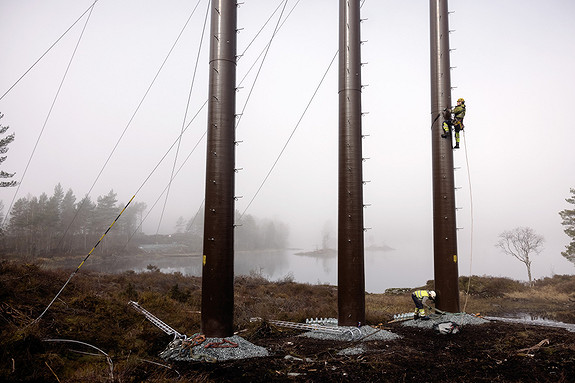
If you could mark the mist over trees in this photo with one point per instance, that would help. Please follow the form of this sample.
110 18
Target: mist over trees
59 224
250 233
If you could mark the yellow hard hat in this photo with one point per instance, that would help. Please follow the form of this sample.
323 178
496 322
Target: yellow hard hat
461 100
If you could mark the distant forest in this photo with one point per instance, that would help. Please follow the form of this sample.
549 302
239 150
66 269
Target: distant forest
59 225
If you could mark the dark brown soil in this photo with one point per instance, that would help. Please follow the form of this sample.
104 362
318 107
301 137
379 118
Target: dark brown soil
93 309
493 352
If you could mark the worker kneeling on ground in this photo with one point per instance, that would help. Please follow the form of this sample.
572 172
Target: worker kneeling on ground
418 296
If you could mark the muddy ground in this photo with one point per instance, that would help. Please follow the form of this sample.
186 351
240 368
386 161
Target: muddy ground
492 352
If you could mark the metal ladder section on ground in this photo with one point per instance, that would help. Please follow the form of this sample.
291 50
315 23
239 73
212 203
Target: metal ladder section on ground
157 322
352 333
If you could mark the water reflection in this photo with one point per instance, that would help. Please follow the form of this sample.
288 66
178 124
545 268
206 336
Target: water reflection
383 269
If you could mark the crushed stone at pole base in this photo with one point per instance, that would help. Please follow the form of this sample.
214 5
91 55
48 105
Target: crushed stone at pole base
461 319
177 351
235 347
367 333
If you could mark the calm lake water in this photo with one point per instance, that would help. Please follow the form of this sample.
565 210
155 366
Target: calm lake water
383 269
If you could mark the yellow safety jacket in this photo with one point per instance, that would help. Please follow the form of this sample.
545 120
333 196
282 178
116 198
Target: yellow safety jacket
459 111
421 294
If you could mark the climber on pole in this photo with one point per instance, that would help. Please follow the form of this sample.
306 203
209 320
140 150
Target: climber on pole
456 122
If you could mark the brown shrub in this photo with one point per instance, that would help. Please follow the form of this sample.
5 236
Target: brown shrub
560 283
489 287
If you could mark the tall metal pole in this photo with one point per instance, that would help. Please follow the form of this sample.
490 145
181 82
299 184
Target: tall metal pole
218 259
351 274
444 226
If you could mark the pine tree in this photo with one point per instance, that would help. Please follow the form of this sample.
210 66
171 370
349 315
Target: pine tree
129 224
68 213
52 218
83 225
568 217
106 211
104 215
19 226
4 142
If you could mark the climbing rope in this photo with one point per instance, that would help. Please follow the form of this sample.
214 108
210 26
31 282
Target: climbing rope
193 341
471 213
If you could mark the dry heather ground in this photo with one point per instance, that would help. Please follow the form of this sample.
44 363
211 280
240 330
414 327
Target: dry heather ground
93 309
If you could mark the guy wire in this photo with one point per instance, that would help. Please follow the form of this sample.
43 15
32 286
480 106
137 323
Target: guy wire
291 135
297 124
110 227
84 261
185 115
128 125
48 116
266 50
49 49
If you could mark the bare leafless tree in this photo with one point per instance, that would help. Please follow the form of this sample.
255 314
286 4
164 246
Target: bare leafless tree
522 243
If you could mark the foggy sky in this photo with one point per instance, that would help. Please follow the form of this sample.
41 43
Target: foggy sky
512 63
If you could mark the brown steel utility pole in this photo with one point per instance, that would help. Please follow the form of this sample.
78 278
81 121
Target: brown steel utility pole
350 269
218 259
444 226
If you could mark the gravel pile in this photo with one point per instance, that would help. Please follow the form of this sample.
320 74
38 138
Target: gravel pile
363 333
352 351
181 351
178 350
461 319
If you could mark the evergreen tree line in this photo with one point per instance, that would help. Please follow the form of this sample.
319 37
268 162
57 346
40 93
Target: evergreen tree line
53 225
59 225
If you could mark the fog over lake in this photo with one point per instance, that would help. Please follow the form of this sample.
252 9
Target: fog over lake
383 268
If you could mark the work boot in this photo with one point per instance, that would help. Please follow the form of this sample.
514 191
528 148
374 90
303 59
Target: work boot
456 145
444 135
